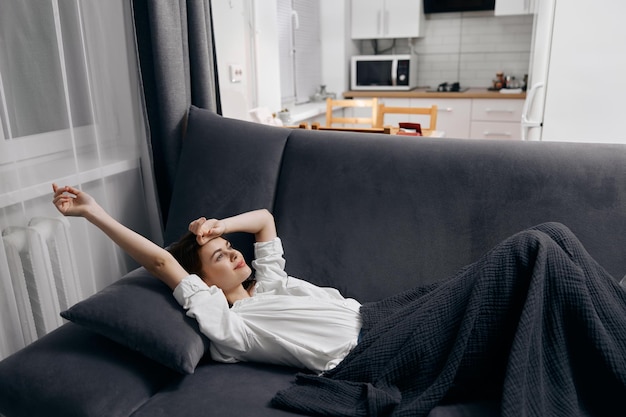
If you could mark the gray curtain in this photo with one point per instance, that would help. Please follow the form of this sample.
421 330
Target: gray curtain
177 60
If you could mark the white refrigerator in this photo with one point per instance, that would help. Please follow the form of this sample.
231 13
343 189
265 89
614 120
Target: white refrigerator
577 75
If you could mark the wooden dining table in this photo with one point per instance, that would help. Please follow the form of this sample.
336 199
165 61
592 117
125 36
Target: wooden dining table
389 130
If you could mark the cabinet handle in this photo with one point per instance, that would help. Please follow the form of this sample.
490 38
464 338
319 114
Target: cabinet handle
446 109
386 23
296 19
489 110
488 133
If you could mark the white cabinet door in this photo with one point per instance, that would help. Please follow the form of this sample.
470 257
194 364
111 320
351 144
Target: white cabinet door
496 130
453 115
496 119
379 19
497 110
513 7
403 19
366 19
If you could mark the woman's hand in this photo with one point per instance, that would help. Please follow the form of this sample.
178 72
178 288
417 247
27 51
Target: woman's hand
206 230
71 201
259 222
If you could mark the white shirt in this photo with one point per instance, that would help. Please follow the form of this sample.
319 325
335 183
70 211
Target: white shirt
286 321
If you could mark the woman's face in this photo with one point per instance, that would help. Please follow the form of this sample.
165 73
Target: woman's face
222 265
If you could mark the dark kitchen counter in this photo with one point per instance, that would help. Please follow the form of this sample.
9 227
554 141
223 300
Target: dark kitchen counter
423 93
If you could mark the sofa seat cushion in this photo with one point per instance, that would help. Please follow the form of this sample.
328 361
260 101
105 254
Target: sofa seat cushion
74 372
216 389
245 389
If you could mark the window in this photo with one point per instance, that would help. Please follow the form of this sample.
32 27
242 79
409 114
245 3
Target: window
66 108
35 116
71 113
299 49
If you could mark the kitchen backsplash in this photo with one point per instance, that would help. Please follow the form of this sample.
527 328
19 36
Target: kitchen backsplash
467 47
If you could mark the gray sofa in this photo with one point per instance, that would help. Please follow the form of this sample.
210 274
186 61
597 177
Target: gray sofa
368 214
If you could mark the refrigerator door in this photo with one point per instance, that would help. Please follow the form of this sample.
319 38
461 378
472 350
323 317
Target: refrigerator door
586 85
533 113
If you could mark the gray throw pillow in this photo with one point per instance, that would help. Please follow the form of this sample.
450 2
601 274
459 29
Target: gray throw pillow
140 312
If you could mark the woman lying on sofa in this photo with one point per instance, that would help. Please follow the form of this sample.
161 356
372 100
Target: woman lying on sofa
535 322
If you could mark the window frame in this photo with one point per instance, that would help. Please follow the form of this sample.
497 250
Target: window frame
20 148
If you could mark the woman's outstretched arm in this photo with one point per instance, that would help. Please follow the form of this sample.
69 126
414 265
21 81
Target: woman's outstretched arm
71 201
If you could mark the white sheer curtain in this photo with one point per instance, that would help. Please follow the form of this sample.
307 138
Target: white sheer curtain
71 113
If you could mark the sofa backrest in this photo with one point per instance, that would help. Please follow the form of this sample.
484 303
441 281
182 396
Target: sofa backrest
373 214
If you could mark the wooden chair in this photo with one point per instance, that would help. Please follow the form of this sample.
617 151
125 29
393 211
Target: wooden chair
429 111
385 130
332 105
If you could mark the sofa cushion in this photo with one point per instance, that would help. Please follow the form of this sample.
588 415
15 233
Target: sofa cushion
217 150
218 389
74 372
373 215
139 312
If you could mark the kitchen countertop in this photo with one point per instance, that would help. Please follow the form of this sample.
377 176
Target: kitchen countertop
303 112
422 93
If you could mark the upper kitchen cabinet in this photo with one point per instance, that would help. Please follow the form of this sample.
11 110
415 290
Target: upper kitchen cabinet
513 7
384 19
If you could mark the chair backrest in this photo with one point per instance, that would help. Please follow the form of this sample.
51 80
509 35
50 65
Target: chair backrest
331 105
429 111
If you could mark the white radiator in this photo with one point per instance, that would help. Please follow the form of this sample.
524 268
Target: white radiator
43 272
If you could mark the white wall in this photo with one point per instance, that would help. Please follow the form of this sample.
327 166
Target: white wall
246 34
265 37
232 47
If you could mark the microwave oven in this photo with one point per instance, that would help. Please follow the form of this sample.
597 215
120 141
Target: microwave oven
383 72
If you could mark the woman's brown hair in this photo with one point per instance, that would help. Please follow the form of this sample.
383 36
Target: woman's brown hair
187 252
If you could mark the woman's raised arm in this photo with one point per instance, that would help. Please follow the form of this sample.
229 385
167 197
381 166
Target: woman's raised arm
258 222
71 201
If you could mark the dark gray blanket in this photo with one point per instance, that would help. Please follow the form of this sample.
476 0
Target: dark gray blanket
536 324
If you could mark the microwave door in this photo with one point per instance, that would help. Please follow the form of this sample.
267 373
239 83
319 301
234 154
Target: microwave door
373 73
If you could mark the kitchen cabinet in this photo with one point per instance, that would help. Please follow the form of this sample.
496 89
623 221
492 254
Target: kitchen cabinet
453 115
475 114
514 7
496 119
384 19
461 118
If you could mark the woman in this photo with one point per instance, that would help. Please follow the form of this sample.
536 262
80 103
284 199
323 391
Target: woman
535 323
280 319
